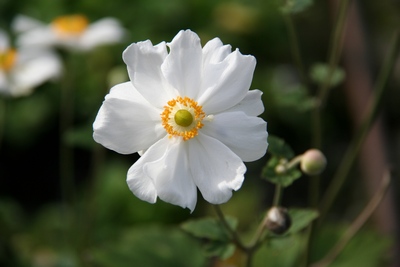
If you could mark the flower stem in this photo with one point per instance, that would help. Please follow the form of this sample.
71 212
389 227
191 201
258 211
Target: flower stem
277 195
293 162
235 238
333 59
66 153
357 224
334 54
2 119
295 47
322 94
354 147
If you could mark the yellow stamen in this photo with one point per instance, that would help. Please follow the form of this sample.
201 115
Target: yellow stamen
70 25
182 117
7 59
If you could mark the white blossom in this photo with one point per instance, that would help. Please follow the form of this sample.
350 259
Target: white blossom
70 31
190 115
23 69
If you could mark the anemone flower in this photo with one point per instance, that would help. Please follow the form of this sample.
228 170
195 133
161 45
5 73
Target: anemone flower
21 70
190 115
73 32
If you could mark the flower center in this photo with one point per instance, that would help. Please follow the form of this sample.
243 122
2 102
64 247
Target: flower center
70 25
7 59
182 117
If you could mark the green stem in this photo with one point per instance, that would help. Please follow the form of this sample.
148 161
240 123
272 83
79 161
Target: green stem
357 224
333 59
293 162
322 94
250 249
277 195
258 238
233 233
2 119
66 156
354 147
295 47
66 152
335 51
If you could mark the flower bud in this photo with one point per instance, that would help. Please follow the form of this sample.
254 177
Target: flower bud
278 220
313 162
280 169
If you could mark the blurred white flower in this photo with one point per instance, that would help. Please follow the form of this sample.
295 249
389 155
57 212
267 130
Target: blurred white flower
190 115
70 31
21 70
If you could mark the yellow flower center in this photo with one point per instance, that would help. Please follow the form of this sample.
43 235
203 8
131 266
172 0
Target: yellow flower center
70 25
182 117
7 59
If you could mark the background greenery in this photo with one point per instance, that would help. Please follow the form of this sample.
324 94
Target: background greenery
108 225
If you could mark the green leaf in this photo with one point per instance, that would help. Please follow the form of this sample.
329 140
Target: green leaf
148 246
296 6
284 179
278 147
218 242
294 97
282 251
219 249
209 228
319 74
301 218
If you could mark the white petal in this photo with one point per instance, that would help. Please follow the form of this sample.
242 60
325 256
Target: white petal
251 104
127 125
139 183
144 66
215 168
104 31
22 23
171 175
33 67
214 51
226 83
245 135
182 67
40 36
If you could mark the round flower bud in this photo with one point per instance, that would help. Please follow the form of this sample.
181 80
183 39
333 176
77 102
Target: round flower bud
313 162
278 220
280 169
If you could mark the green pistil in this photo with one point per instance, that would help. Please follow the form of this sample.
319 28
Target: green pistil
183 118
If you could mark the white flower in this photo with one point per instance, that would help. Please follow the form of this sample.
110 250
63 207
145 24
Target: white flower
21 70
190 115
71 31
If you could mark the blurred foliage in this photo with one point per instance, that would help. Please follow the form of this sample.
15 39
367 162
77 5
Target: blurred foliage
214 235
320 73
281 154
295 6
111 227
